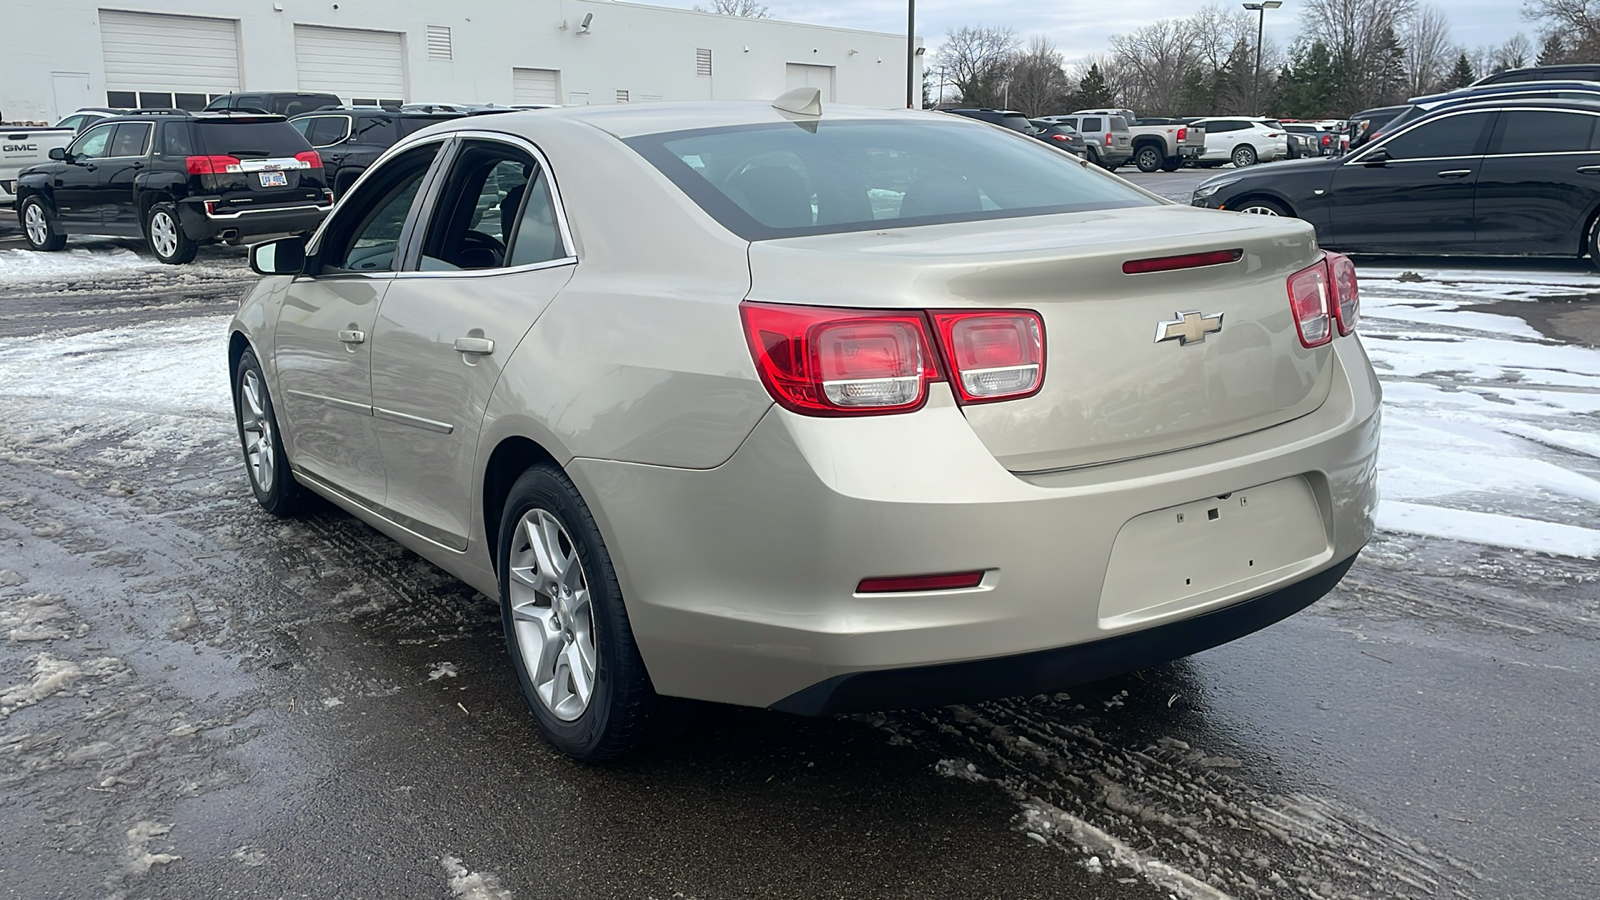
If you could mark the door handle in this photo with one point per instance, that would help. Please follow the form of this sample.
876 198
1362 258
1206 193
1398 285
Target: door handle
474 345
353 337
1589 170
1455 173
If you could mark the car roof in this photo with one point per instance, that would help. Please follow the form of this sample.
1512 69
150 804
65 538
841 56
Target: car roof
626 120
1518 102
1512 87
213 115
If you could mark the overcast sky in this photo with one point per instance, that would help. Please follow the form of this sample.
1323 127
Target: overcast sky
1085 27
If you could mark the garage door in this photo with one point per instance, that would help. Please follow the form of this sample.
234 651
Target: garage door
350 62
157 53
536 86
819 77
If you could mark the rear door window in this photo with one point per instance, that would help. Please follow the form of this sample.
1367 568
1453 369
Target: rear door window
1460 135
325 131
1546 131
494 211
130 139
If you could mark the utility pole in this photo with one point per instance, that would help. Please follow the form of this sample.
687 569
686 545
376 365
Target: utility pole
1261 24
911 53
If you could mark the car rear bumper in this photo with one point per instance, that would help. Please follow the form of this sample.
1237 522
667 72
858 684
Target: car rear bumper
203 218
741 581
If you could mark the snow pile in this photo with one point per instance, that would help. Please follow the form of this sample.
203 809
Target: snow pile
17 266
1491 432
472 885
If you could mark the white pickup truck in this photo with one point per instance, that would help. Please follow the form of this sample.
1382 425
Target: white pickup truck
22 146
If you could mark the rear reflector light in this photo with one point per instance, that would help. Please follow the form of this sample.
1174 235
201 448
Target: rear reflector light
1346 292
952 582
995 355
839 362
1186 261
212 165
1183 134
311 158
1310 298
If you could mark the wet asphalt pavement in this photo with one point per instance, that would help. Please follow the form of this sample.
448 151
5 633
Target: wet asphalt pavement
198 700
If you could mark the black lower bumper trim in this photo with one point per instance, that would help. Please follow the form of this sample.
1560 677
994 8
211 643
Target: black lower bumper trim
1045 671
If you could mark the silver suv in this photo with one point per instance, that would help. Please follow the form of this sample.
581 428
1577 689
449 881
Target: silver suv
1110 142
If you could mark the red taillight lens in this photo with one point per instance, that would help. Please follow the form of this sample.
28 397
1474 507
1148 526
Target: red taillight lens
1058 137
1183 134
839 362
952 582
1309 299
311 158
1108 139
1346 292
211 165
995 355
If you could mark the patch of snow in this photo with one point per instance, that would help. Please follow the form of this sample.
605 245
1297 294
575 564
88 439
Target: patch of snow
1489 528
41 617
469 885
72 264
51 675
139 836
443 670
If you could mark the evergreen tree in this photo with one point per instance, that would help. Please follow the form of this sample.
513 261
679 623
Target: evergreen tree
1307 89
1462 75
1553 49
1093 92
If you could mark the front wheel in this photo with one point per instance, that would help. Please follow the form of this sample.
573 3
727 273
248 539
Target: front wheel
264 459
1261 206
566 628
1149 159
40 232
1244 156
167 240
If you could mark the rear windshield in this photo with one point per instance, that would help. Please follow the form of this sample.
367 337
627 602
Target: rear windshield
786 180
251 139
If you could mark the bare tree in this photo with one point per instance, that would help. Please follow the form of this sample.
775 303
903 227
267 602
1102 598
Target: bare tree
1429 53
977 60
1577 21
1039 85
1361 35
1513 54
1151 63
749 9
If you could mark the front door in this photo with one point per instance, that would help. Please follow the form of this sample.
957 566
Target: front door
494 255
323 346
1412 190
75 186
1539 182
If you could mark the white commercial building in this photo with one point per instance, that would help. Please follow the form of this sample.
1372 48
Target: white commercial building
66 54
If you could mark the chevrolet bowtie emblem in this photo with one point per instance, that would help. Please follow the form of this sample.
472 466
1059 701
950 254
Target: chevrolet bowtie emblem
1189 327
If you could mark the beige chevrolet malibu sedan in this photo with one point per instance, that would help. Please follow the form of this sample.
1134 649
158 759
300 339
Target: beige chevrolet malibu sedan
816 410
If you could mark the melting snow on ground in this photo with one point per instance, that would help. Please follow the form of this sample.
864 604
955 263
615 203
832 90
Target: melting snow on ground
1491 431
17 266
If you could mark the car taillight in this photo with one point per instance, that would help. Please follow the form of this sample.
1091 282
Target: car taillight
311 158
994 355
1058 137
1311 301
1346 292
839 362
1183 134
1108 139
1326 139
211 165
1272 134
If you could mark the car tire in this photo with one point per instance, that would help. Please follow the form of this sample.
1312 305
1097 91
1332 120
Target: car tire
265 463
1172 165
564 629
1244 156
37 229
1593 242
165 234
1149 158
1263 206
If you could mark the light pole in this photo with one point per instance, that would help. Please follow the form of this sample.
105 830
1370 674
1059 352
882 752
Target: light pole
1261 23
911 53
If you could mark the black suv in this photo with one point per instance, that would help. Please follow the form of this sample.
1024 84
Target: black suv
176 179
350 138
284 103
1559 72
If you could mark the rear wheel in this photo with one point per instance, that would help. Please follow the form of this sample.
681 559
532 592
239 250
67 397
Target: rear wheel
167 240
1149 158
1244 156
37 227
566 627
1172 165
1261 206
1594 242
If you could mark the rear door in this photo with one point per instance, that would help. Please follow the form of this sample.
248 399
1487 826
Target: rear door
493 256
1539 182
126 161
1413 190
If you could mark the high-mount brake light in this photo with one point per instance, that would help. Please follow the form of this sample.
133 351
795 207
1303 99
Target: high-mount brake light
822 361
1346 292
311 158
1311 301
954 581
212 165
993 354
1182 261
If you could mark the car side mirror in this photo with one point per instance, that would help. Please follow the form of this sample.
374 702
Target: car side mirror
1376 158
59 154
284 256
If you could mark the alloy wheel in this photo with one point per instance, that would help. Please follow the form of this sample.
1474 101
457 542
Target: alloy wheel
164 234
33 220
551 612
257 426
1259 210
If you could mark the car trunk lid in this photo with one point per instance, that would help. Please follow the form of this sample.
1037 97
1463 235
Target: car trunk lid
269 171
1112 389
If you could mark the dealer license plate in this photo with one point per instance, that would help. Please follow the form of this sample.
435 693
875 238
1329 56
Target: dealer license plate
274 179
